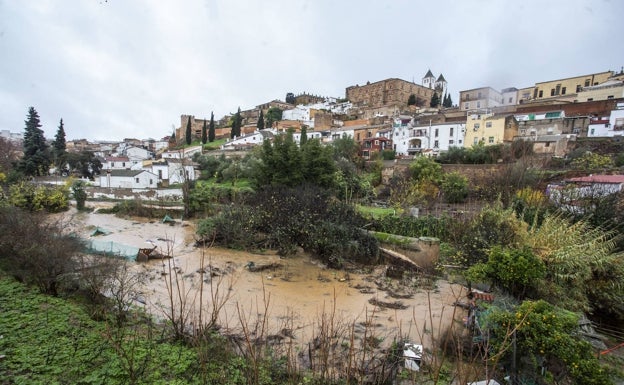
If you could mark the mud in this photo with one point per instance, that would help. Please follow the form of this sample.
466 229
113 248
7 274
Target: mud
296 294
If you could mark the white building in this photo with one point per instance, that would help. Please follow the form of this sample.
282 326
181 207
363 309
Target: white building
187 152
138 154
128 179
410 139
608 126
173 171
116 163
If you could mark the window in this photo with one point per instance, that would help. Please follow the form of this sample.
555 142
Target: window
451 131
535 94
436 133
586 82
467 97
610 97
123 164
477 126
436 144
488 124
159 174
563 90
136 180
151 182
376 143
510 100
479 96
541 94
466 105
460 141
547 144
491 139
578 88
476 140
478 104
591 132
590 99
552 92
558 89
451 141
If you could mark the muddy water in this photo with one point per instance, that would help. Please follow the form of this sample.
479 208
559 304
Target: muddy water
296 295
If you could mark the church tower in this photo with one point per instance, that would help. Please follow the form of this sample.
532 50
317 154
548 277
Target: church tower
440 86
429 80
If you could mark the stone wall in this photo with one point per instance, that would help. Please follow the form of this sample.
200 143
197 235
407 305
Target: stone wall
152 195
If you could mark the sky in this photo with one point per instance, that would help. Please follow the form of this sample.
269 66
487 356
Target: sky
115 69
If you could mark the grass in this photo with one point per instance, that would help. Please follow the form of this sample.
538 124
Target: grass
376 212
47 340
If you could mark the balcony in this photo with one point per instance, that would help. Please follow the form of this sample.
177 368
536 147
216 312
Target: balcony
417 133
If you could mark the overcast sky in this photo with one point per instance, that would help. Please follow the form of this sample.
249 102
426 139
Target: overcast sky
129 68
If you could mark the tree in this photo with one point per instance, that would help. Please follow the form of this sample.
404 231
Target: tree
36 159
9 153
260 124
59 147
304 136
274 114
80 195
188 137
236 125
447 102
204 133
290 98
211 128
454 186
411 101
85 163
435 100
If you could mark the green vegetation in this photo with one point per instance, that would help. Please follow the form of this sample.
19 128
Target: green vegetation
36 159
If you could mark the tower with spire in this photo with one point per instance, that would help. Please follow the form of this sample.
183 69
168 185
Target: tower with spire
428 80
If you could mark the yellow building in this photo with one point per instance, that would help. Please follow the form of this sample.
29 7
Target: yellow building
611 89
564 89
489 129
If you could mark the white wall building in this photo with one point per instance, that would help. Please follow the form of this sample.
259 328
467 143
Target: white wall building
116 163
608 127
409 139
128 179
187 152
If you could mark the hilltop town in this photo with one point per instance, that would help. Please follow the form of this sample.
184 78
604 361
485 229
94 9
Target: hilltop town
400 116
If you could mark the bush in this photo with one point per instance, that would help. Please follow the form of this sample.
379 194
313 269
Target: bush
454 186
35 250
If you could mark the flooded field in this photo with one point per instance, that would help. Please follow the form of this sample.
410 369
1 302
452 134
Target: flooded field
296 294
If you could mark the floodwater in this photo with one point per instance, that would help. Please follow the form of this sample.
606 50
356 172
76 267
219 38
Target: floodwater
297 294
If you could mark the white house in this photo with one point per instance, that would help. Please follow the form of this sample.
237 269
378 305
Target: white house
173 171
116 163
187 152
253 139
410 139
128 179
608 127
573 191
138 154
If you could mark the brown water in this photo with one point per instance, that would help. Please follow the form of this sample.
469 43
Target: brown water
297 295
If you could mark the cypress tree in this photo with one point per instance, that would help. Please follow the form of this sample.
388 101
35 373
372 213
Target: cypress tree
188 131
204 134
236 125
211 128
260 124
36 160
435 100
59 146
304 136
